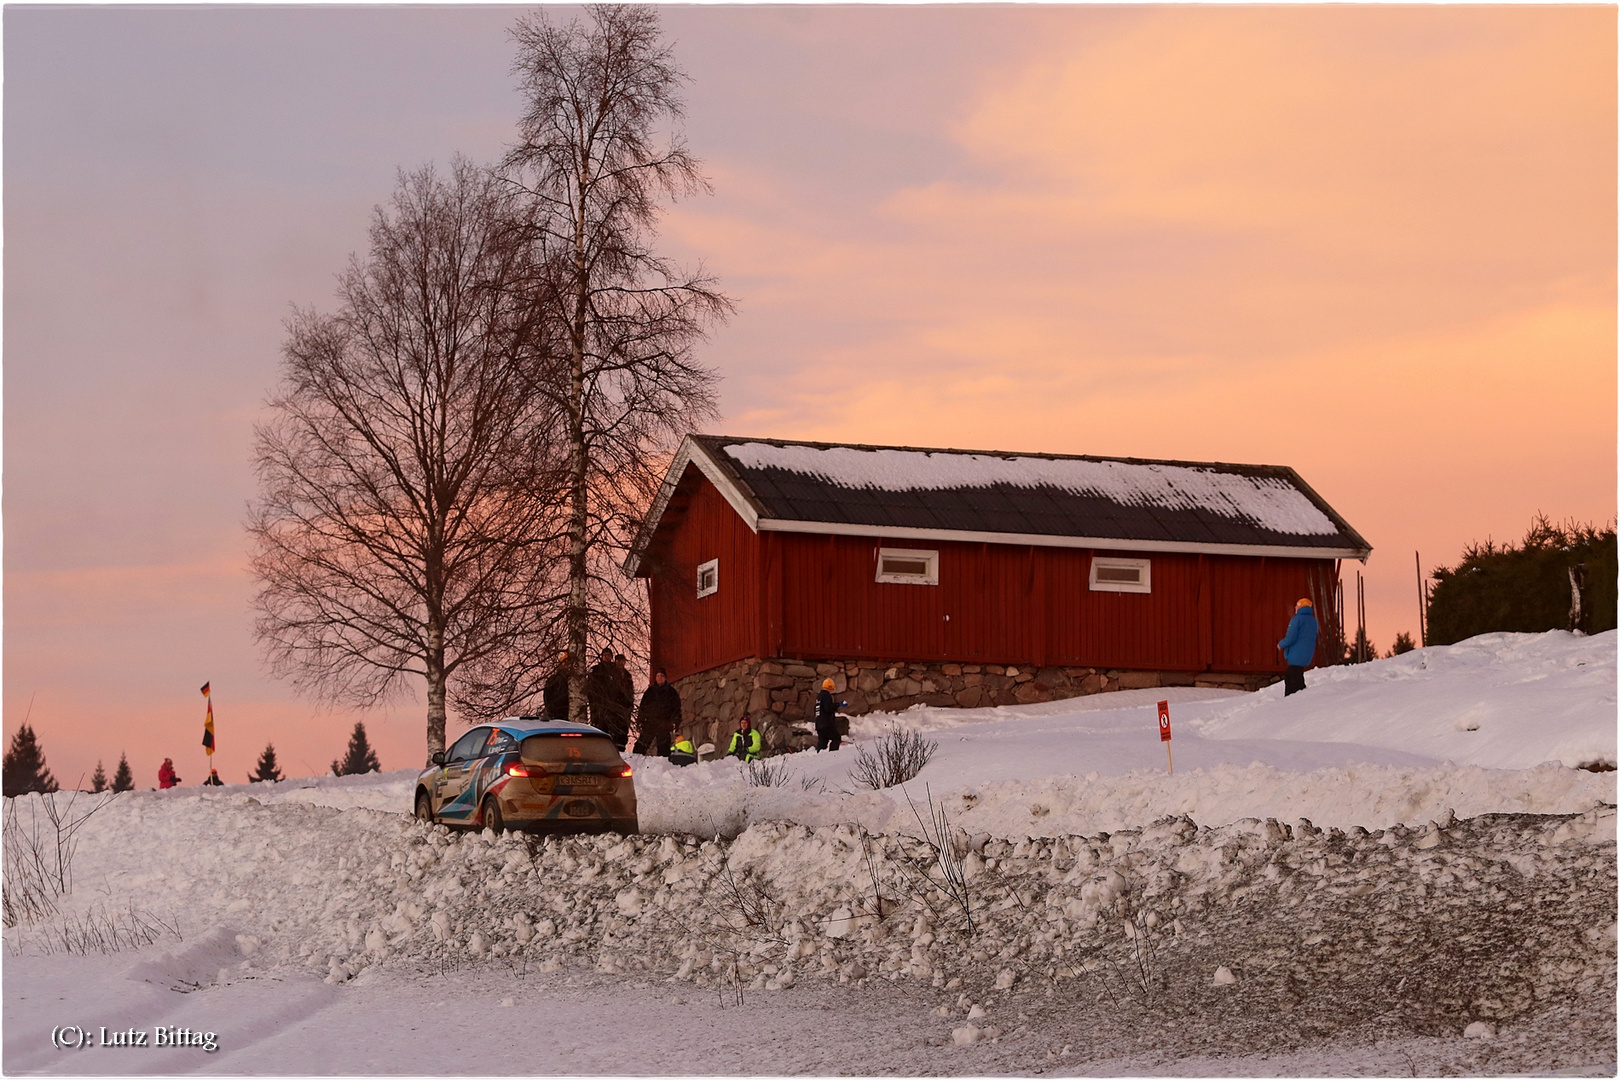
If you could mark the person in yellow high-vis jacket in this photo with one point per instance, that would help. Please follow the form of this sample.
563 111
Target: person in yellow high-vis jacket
681 751
745 743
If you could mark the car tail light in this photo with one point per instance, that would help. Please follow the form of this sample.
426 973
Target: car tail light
525 770
624 771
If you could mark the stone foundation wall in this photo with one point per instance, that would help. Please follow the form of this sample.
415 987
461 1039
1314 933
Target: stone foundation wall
778 694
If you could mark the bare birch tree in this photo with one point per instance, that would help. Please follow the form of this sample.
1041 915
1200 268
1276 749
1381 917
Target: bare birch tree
599 153
407 476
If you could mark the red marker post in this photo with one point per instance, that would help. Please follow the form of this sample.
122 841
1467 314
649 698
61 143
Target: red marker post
1164 734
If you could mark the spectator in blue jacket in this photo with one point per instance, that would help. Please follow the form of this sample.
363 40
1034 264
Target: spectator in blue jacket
1298 646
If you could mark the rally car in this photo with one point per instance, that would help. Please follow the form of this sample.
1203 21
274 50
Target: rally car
532 774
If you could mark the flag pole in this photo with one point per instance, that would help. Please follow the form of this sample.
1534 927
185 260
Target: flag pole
208 730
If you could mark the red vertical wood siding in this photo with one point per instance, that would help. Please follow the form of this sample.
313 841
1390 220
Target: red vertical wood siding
817 597
1252 600
690 634
1157 630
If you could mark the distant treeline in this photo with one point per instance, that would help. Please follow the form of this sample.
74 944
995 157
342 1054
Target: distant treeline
1526 588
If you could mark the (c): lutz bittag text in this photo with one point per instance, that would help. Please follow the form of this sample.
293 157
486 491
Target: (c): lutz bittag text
73 1037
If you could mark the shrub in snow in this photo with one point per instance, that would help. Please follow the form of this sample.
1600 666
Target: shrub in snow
1527 589
767 773
891 760
40 834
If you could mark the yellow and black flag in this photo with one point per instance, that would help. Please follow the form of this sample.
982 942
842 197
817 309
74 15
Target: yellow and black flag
208 724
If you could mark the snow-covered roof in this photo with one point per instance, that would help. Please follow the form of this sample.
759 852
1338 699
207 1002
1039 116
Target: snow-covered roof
1044 499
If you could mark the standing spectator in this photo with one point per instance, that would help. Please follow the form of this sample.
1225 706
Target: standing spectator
166 777
601 694
623 700
1298 647
555 695
745 743
658 716
827 737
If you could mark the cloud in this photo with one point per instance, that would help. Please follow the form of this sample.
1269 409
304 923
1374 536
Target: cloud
1377 244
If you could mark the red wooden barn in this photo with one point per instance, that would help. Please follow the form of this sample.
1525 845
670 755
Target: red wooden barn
972 578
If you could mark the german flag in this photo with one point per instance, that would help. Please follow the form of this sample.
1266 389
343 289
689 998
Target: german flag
208 724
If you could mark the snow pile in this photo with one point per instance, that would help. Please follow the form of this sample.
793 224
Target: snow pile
1505 701
1200 902
1270 502
343 893
393 791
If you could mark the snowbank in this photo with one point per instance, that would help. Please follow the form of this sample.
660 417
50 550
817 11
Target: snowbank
1504 701
290 894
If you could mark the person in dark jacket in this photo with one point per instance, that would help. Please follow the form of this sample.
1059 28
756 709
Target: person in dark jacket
658 715
827 737
745 742
624 693
602 695
1298 647
555 695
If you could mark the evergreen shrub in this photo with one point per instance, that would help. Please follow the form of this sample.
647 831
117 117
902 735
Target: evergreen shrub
1525 588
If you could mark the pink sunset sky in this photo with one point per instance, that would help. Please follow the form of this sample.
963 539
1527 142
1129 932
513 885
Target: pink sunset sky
1373 243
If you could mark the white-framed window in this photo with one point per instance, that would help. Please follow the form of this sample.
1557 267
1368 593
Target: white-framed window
904 566
1121 575
708 578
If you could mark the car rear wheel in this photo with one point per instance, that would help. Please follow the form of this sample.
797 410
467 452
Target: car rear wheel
492 815
424 807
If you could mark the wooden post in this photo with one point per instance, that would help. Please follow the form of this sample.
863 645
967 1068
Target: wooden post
1423 607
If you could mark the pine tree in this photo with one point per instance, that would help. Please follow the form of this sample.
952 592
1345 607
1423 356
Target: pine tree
267 769
123 780
1403 644
360 758
98 779
1362 649
1527 589
24 765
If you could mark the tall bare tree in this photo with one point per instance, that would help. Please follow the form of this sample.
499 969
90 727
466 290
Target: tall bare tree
407 475
599 154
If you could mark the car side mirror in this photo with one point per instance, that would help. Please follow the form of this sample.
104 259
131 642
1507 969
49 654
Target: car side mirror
438 757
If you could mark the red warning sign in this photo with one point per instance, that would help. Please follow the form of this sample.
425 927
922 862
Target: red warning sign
1164 721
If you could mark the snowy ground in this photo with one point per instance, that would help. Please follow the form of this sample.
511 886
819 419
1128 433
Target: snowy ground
319 930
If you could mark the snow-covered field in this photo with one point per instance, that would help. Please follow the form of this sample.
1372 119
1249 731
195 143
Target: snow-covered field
320 930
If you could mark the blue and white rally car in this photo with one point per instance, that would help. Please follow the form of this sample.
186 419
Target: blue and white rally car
533 774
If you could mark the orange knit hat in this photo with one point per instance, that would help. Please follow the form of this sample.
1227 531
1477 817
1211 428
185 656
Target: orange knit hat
1302 603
